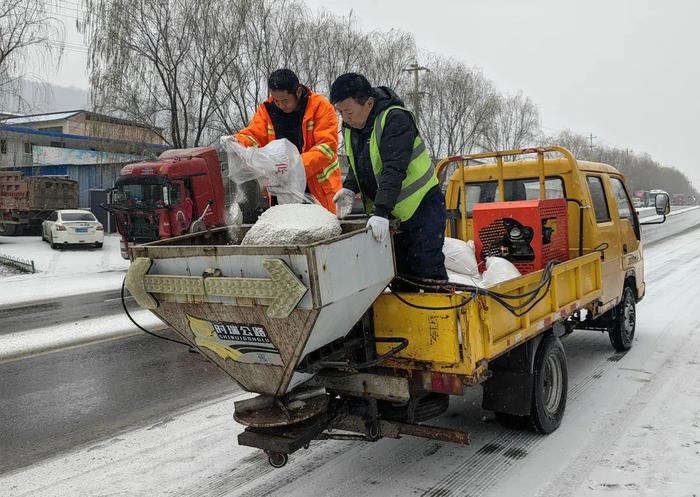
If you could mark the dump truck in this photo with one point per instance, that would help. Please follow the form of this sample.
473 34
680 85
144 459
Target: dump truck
333 353
26 201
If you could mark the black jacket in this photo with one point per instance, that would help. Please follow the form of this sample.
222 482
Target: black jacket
396 147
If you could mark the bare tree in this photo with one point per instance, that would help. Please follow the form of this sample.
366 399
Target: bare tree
152 62
27 31
577 144
460 107
392 52
514 125
261 36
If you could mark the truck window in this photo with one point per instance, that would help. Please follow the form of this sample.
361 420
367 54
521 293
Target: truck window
174 194
623 203
515 189
78 216
600 203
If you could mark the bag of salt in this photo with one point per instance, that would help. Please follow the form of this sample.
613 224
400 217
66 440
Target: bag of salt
278 164
460 256
497 271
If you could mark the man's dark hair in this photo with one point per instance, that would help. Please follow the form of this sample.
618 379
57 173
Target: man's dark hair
283 80
352 85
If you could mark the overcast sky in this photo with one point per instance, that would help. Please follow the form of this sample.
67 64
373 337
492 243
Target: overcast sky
627 71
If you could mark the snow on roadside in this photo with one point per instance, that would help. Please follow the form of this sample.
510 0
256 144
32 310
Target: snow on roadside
71 271
39 340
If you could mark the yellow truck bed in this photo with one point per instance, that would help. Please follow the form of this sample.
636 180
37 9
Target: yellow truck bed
473 329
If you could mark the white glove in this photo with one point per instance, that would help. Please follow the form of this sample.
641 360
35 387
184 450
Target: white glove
380 227
343 200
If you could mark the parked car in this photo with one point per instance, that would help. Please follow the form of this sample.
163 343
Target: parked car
72 226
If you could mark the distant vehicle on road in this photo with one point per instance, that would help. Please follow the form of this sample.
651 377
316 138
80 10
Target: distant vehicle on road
637 202
72 227
643 197
653 194
25 201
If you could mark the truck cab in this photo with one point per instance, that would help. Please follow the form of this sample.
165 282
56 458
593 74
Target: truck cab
601 216
160 199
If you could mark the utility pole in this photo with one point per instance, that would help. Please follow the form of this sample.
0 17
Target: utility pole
591 146
416 94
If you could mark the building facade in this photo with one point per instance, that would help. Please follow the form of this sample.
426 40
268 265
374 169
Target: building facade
87 147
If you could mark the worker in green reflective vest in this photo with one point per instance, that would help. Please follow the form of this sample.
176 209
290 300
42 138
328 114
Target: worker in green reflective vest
391 169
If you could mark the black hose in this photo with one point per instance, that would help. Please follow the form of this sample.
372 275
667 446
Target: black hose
141 327
427 308
534 296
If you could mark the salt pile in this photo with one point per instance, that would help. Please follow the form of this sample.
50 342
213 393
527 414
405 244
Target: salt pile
293 224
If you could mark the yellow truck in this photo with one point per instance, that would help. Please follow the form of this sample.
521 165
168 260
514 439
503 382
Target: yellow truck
333 353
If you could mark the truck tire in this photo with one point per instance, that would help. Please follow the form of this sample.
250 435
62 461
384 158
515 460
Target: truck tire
624 321
8 229
551 383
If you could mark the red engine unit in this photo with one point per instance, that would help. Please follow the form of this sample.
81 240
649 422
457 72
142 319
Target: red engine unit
529 233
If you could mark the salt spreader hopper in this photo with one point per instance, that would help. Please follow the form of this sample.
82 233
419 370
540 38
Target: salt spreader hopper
258 311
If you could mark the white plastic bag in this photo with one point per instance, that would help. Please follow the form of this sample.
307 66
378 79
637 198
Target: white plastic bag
460 256
463 279
497 271
278 165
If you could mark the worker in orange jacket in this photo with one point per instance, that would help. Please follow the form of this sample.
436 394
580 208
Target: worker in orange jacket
306 119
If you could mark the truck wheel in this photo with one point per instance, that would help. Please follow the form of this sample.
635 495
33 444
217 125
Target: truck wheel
551 383
277 459
624 322
8 229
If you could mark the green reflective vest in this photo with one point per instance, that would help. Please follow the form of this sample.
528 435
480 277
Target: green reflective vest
420 176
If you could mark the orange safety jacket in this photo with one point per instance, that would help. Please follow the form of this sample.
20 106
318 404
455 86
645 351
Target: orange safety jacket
319 152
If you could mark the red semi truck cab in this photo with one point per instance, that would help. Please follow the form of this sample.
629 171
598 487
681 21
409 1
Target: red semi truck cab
163 198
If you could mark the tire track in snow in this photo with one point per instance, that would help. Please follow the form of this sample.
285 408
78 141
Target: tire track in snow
477 474
486 467
578 470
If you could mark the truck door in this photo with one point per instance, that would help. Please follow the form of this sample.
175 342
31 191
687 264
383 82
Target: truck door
180 210
607 239
630 235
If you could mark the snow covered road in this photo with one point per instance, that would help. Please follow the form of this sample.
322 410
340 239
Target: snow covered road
632 428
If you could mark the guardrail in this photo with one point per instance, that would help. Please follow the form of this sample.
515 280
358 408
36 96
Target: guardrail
24 265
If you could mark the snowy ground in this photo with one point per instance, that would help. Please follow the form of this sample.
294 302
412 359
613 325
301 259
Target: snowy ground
632 428
70 271
42 339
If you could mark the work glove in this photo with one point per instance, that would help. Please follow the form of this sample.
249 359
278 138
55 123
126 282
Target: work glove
343 200
379 226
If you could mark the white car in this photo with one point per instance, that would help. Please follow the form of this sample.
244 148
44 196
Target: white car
67 227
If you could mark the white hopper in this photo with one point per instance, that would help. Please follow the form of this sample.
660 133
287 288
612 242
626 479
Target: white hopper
259 310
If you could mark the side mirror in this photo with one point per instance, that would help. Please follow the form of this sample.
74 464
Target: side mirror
663 204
